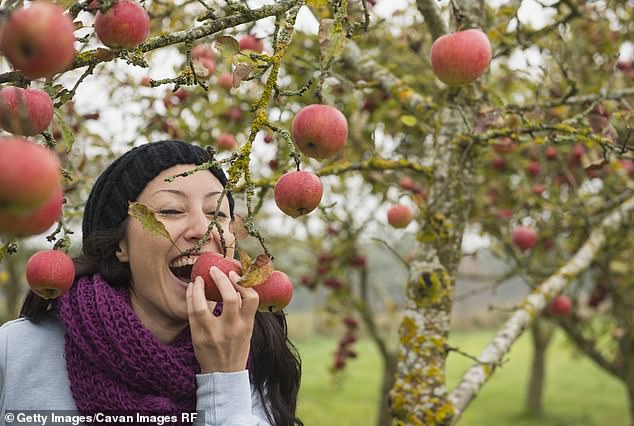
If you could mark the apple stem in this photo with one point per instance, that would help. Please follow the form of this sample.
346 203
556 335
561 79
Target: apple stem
458 15
296 159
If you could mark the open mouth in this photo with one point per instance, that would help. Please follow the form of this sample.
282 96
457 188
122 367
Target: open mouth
181 267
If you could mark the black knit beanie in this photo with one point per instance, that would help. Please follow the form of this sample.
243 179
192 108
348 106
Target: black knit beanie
125 178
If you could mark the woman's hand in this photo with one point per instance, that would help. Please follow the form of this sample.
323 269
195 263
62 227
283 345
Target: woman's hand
221 343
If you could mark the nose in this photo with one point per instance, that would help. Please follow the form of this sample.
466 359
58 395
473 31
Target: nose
197 226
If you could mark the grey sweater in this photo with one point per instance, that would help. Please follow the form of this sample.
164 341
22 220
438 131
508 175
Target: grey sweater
33 377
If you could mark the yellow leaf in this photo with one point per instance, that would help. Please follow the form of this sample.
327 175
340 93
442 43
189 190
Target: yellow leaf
319 8
146 216
258 271
245 260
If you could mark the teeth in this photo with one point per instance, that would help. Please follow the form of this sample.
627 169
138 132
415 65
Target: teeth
182 261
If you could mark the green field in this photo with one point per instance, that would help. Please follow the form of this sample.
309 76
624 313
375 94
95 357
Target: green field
577 393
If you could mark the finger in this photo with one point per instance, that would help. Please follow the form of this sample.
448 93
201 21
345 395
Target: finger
250 300
234 277
197 305
230 298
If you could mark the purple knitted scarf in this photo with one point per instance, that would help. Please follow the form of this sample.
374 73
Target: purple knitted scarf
115 364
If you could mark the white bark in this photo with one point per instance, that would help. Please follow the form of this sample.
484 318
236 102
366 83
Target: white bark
473 380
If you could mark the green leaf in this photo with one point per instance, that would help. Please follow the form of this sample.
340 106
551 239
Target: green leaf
146 216
409 120
227 46
67 134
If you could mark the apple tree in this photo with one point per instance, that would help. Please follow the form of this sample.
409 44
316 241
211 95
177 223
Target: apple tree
460 114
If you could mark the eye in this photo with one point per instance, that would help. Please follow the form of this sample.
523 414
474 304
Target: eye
169 212
220 214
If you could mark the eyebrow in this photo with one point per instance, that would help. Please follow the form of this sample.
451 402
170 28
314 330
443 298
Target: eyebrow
182 194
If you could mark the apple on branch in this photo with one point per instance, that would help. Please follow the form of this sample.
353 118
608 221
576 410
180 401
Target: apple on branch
524 237
462 57
400 215
40 220
319 131
25 112
38 40
298 193
30 176
124 25
227 142
50 273
560 306
275 292
249 42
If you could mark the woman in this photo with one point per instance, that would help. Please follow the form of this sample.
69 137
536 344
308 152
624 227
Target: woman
133 337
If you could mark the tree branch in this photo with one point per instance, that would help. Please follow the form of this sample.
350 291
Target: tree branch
99 55
430 11
588 347
408 97
492 355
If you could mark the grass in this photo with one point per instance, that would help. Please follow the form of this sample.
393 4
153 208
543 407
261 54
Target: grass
576 393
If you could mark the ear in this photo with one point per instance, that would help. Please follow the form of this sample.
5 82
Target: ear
122 251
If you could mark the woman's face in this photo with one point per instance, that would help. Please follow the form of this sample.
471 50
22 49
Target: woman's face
160 273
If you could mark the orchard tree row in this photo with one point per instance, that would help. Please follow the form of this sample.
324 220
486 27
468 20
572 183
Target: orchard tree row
449 117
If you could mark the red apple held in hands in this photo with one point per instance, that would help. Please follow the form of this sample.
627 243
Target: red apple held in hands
461 57
249 42
524 237
124 26
319 131
275 292
30 175
227 142
25 112
400 215
298 193
33 223
38 40
201 269
50 273
560 306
